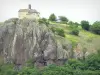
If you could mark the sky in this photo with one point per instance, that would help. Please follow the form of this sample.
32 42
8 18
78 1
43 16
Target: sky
74 10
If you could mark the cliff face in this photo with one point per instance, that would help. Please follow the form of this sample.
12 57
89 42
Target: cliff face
22 40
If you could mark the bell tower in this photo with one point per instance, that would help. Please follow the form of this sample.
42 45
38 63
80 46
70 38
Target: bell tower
29 6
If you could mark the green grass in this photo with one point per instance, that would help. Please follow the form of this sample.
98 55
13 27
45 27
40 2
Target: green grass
84 36
72 38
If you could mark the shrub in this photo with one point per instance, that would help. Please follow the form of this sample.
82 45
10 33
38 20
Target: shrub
85 25
93 62
91 66
53 29
43 21
76 64
7 69
70 23
86 72
57 70
58 31
95 28
29 71
76 23
75 31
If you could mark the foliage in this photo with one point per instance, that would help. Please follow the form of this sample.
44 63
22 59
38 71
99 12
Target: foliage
73 67
29 71
95 27
7 69
73 26
93 62
85 25
58 31
57 70
74 29
30 63
75 32
85 72
76 23
73 23
70 22
63 19
53 29
43 21
52 17
76 64
90 66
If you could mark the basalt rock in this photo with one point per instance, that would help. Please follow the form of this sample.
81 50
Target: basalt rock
22 40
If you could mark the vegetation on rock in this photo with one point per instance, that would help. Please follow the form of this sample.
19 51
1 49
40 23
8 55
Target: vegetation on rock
43 21
58 31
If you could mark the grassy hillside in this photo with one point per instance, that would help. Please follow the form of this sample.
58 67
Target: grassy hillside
85 38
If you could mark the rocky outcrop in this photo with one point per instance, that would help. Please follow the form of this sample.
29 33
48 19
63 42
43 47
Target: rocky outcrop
22 40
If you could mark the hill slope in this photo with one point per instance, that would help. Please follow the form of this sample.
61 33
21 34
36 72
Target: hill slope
86 42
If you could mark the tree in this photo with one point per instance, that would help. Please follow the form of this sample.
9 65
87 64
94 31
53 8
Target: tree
95 28
63 19
76 23
52 17
85 25
70 23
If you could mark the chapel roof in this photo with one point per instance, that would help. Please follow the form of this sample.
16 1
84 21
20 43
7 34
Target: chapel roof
28 10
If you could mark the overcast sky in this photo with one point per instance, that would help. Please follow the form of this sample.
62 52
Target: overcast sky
75 10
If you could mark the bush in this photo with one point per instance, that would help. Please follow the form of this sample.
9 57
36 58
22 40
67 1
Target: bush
29 71
76 64
57 70
70 23
58 31
53 29
75 32
43 21
7 69
91 66
93 62
74 29
76 23
85 25
86 72
95 28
